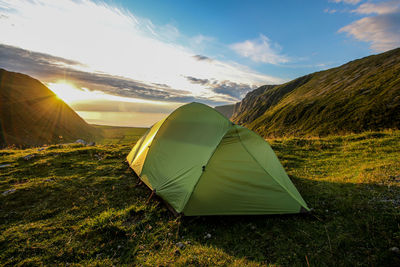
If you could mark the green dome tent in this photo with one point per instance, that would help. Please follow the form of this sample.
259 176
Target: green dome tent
200 163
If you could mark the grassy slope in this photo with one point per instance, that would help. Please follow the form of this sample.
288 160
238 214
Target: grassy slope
31 114
361 95
83 205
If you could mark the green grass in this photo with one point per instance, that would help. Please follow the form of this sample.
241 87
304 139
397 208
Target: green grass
118 135
83 206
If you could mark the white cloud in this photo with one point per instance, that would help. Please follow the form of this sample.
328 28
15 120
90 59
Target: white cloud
201 39
330 11
351 2
112 40
379 8
382 31
260 50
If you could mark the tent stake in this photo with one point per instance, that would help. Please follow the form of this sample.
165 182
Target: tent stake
152 193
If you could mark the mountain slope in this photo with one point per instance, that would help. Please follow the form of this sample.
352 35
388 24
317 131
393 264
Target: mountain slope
361 95
226 110
31 114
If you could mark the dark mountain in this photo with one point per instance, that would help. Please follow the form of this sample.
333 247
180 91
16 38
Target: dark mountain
361 95
31 114
226 110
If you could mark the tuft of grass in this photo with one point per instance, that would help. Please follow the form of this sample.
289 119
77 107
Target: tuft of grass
83 206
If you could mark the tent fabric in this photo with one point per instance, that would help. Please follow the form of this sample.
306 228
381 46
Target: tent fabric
200 163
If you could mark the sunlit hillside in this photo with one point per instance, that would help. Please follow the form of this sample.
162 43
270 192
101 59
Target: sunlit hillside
31 114
361 95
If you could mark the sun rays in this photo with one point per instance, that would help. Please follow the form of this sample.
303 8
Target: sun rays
101 108
69 92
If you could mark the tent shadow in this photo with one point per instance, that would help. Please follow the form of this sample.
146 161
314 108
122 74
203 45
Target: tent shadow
350 223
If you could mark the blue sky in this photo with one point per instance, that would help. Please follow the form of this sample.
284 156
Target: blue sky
133 62
303 31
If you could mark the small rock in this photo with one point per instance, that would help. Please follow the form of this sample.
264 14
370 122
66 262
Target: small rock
42 148
91 144
28 157
180 245
80 141
207 236
5 165
394 250
98 157
8 192
49 180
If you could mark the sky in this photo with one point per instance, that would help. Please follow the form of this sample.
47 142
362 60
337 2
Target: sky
130 63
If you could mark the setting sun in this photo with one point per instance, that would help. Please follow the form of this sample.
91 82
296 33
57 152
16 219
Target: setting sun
68 92
100 108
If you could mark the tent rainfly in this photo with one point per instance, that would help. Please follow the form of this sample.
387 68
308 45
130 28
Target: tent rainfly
200 163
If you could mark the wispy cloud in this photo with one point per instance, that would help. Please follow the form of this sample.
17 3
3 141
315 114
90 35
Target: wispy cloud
351 2
260 50
197 80
330 11
52 69
201 57
112 41
382 30
232 90
200 41
378 8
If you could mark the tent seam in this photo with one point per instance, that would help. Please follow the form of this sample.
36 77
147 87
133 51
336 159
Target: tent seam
155 136
284 187
141 143
211 155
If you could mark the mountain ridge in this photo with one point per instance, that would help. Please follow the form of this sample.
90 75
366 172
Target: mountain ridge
31 114
363 94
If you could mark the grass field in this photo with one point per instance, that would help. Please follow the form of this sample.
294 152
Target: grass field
83 206
119 135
